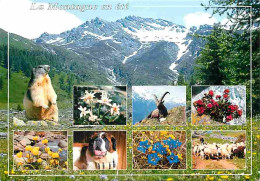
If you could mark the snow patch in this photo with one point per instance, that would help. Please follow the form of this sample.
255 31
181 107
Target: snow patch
133 54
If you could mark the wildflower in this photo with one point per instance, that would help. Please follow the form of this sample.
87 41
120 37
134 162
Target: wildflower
84 111
88 97
169 179
153 158
39 160
51 161
47 149
47 167
211 93
50 153
45 141
163 133
209 106
225 96
173 159
258 136
247 177
104 99
224 176
200 110
218 96
199 102
12 171
157 146
28 148
37 148
239 112
229 118
115 109
226 91
171 136
35 138
179 156
35 151
162 151
19 163
103 177
143 146
6 172
92 117
209 177
215 104
66 163
27 155
19 155
55 155
59 150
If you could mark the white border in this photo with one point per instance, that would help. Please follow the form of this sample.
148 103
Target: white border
172 170
158 86
219 169
85 170
155 174
228 86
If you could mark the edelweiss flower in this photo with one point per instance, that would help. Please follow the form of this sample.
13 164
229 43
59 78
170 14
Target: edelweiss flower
104 99
115 109
92 117
88 97
84 111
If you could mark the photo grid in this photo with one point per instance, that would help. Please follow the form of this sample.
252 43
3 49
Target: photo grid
63 124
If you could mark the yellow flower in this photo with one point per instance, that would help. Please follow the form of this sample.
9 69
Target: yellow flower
66 163
49 153
47 149
51 161
179 156
55 155
28 148
35 151
47 167
12 172
37 148
19 155
171 136
247 177
59 149
258 136
169 179
27 155
209 177
56 162
162 133
45 141
224 176
39 160
6 172
19 163
35 138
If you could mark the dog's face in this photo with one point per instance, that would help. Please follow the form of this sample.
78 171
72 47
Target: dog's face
41 70
101 143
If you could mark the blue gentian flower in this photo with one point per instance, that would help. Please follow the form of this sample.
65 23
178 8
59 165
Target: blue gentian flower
143 146
172 143
173 159
153 158
162 151
157 146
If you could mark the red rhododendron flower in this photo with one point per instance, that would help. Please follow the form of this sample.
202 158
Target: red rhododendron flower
215 104
235 107
209 105
229 117
226 91
218 96
200 110
232 108
199 102
211 93
225 96
239 112
212 100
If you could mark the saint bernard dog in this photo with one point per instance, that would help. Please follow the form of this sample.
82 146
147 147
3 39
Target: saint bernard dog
100 154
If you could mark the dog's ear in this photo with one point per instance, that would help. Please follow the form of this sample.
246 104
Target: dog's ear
113 141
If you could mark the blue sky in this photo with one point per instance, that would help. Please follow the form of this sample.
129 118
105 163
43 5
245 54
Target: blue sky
17 17
175 14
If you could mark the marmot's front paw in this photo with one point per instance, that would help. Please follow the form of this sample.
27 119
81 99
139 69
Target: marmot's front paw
45 106
53 102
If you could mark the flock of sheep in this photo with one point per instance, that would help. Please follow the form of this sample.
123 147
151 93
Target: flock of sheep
220 151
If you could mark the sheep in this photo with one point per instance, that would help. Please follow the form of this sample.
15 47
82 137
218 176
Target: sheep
239 152
195 150
202 155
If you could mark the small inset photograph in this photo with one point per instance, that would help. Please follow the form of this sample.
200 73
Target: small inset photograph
159 105
159 150
99 105
40 150
99 150
219 150
218 105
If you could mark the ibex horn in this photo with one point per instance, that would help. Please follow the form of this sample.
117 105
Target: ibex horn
164 96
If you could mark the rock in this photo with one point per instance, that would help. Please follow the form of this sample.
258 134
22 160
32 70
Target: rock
44 156
32 123
62 144
3 134
18 147
25 141
17 160
18 122
41 146
30 137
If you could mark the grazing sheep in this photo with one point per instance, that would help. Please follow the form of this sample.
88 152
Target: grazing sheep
195 150
202 155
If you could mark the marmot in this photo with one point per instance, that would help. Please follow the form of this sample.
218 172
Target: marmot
40 98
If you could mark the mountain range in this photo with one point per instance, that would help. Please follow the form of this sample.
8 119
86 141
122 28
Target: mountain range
132 50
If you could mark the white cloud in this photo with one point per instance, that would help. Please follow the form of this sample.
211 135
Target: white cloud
198 18
177 93
16 17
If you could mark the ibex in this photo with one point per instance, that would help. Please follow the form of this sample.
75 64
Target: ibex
161 110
